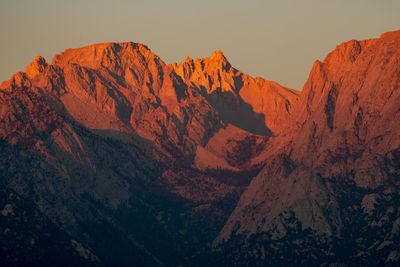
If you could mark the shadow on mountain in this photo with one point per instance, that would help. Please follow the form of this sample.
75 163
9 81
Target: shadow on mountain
235 111
24 224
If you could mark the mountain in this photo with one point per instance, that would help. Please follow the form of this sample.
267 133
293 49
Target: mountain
114 148
109 156
238 97
329 190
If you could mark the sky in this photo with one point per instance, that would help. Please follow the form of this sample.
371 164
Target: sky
275 40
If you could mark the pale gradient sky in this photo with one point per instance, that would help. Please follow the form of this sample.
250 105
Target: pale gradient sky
276 40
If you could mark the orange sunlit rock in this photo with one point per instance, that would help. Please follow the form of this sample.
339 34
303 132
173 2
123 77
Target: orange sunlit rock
246 95
344 125
38 65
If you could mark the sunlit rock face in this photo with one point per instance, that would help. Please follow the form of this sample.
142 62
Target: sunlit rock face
124 87
339 152
253 104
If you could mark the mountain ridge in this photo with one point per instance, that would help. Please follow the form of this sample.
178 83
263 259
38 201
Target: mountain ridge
345 126
119 135
223 167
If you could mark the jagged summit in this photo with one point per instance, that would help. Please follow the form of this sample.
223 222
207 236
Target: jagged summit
38 65
216 62
246 95
218 56
188 59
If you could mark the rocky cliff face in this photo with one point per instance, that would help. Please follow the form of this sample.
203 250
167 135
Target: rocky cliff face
333 178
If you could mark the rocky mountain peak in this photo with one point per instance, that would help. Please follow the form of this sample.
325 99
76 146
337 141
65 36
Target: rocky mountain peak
242 100
189 59
344 55
345 142
38 65
116 57
218 56
218 61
